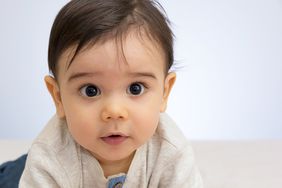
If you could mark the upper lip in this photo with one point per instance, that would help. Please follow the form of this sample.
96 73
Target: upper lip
114 133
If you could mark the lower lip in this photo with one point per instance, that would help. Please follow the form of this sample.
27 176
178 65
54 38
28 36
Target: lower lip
114 140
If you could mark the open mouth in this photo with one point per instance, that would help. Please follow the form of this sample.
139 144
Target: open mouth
114 136
114 139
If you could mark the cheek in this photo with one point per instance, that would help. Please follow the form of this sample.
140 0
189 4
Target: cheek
80 128
146 118
153 104
146 126
81 122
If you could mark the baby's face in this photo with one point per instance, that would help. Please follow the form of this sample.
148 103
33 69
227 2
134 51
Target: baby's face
111 103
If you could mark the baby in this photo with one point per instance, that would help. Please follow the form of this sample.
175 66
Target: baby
110 62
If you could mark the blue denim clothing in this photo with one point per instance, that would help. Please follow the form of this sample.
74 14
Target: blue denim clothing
117 182
11 171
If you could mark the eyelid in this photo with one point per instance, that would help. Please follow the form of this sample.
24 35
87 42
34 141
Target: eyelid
144 85
87 85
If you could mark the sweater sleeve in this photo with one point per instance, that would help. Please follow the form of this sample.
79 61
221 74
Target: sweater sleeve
181 172
43 170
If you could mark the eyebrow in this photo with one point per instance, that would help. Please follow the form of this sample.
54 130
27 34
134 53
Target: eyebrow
78 75
143 74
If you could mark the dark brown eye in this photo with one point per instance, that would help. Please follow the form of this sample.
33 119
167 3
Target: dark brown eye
90 91
136 89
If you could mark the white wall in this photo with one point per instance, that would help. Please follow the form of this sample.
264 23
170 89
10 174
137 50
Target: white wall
230 86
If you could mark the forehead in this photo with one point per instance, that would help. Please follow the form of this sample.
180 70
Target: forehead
133 51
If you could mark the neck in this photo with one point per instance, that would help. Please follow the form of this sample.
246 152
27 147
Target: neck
115 167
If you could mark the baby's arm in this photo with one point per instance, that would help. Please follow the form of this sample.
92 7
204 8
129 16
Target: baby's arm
182 172
42 170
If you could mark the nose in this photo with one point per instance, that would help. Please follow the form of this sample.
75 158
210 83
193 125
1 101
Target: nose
114 110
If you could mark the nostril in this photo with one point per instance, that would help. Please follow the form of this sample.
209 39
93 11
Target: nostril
114 114
118 117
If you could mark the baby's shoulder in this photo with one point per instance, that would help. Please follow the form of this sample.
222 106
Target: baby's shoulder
54 136
170 134
168 148
169 143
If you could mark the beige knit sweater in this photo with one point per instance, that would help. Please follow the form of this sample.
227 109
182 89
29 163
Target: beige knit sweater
56 160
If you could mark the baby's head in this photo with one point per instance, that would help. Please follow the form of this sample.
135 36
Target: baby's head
110 62
83 23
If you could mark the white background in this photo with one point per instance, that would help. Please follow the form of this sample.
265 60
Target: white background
229 86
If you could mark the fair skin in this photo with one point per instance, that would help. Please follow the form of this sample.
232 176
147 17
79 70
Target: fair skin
112 103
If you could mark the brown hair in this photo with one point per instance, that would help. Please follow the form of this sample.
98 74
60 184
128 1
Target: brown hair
84 22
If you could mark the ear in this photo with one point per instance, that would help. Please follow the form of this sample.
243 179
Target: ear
54 91
169 82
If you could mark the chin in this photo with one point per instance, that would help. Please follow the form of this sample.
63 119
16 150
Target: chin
117 156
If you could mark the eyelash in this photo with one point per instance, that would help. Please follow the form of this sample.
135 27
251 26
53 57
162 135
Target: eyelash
142 83
83 93
146 87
